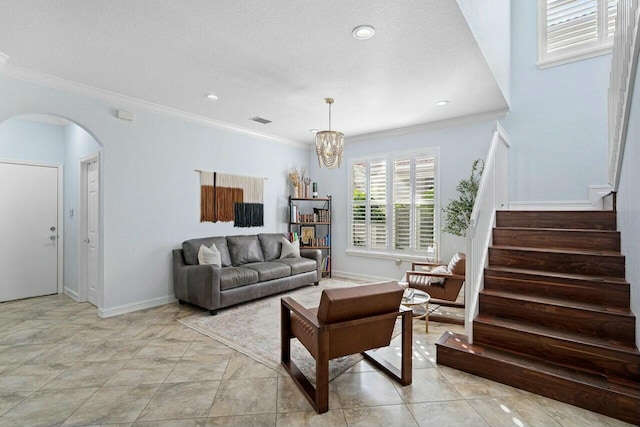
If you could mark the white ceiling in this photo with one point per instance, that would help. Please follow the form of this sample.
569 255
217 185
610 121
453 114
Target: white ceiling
277 59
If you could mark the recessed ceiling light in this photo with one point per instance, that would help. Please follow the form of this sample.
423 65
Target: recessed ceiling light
313 130
211 96
363 32
441 103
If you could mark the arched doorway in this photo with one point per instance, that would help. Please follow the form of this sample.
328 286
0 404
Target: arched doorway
31 144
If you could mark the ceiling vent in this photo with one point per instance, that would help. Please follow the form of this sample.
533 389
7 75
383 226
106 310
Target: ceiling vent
260 120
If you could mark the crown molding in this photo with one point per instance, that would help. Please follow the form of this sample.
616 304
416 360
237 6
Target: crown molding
440 124
105 95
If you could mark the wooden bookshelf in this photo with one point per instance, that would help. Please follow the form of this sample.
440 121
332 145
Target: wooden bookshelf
312 216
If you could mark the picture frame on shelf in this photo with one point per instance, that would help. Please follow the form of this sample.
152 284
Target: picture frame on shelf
307 234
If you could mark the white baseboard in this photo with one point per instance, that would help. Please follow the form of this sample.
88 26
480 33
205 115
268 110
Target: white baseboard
356 276
71 294
595 202
597 194
552 205
142 305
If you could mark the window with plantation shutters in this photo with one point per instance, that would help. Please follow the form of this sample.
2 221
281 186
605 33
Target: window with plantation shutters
570 30
393 204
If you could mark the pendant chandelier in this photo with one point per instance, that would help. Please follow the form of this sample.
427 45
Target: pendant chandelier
329 144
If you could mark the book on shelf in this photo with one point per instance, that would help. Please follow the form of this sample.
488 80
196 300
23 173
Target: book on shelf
326 263
322 215
319 241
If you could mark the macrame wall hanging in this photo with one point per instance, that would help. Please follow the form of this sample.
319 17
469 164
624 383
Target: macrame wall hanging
234 198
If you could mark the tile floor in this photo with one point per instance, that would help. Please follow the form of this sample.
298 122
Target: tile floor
60 364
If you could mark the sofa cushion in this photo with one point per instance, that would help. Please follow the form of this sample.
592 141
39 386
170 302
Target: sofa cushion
191 247
244 250
234 277
269 270
290 249
299 265
271 244
207 256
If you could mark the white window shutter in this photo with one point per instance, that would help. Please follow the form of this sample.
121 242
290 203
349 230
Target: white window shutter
425 202
378 204
359 204
402 204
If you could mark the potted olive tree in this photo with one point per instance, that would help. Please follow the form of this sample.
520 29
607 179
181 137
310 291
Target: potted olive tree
457 213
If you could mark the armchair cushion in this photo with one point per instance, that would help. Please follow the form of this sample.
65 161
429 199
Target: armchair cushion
338 305
436 280
457 264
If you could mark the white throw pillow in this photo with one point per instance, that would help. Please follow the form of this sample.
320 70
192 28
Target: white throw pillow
209 255
441 269
290 249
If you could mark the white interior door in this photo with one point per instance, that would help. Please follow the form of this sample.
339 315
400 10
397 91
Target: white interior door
93 236
28 230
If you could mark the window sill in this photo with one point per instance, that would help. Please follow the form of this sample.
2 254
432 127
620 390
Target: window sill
387 255
574 56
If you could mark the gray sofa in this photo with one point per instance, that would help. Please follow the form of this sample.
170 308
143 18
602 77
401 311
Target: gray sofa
251 268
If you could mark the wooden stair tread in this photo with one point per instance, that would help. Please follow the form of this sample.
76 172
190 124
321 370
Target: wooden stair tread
560 302
460 343
567 251
549 332
558 275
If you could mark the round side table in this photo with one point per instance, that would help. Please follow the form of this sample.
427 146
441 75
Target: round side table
418 302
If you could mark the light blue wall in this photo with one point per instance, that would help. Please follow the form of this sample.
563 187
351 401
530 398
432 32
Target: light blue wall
490 23
151 195
459 147
629 203
25 140
78 144
558 119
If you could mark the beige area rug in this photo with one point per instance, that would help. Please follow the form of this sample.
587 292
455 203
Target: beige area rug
253 329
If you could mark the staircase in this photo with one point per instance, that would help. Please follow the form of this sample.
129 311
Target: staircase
554 314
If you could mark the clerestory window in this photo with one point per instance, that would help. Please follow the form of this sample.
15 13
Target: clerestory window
570 30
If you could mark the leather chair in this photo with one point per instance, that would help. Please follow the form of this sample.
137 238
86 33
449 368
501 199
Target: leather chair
446 293
348 321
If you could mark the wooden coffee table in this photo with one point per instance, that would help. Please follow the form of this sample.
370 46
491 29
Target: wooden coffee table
419 304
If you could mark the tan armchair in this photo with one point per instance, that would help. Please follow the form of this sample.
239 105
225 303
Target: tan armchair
348 321
445 293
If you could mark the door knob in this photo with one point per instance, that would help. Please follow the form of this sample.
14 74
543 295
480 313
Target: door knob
52 237
86 240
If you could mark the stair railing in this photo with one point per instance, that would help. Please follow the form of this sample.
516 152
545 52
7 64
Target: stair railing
624 62
492 194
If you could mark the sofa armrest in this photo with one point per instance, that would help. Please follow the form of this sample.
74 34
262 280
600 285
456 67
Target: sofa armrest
180 275
315 254
196 284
